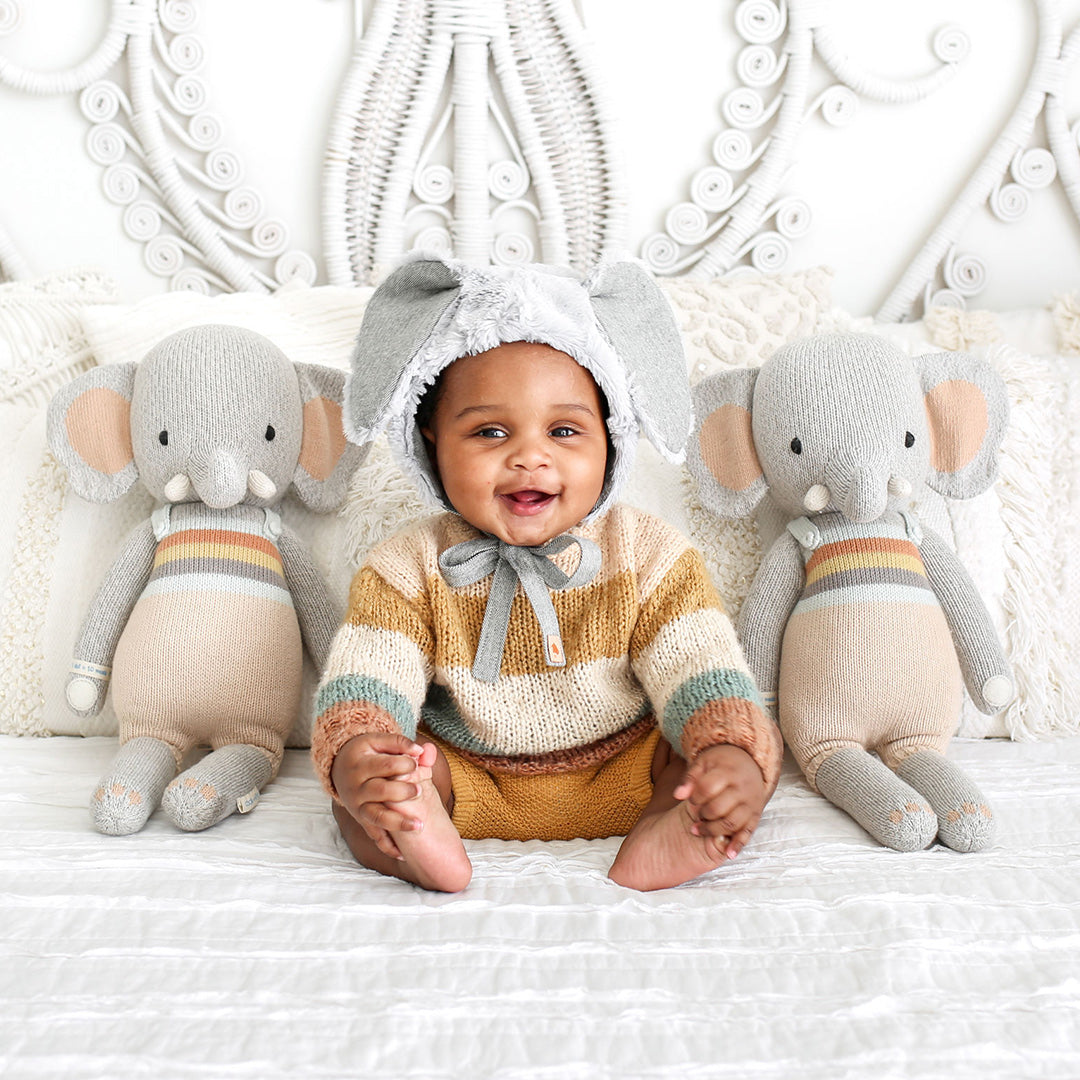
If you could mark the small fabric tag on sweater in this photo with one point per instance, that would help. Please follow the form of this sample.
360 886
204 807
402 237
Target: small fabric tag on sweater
246 803
555 650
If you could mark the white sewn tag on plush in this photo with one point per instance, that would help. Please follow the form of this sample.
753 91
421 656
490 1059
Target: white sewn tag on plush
246 803
90 670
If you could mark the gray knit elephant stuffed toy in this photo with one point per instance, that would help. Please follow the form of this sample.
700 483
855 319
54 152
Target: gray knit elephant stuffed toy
862 626
200 623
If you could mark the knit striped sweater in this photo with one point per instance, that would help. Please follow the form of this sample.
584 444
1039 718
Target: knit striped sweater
203 550
860 563
646 641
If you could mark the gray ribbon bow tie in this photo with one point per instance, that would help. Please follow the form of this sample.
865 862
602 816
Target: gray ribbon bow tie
472 561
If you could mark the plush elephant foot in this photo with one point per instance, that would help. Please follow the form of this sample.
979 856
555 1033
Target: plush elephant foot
891 811
209 791
130 791
965 821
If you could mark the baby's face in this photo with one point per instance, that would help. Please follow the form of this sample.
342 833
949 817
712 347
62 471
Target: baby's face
520 441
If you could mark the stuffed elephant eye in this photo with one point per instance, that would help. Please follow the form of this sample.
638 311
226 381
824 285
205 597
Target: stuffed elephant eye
909 440
163 438
796 445
270 432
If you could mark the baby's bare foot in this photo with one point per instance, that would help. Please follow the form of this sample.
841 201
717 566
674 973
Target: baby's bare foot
433 855
661 852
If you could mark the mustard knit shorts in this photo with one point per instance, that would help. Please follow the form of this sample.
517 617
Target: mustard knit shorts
587 804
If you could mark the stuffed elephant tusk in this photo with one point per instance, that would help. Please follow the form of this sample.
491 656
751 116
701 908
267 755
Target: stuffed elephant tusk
260 485
178 488
817 498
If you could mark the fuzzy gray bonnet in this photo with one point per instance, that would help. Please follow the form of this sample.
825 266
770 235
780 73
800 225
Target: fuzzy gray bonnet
431 311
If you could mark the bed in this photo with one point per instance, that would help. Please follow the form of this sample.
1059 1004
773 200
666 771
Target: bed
259 948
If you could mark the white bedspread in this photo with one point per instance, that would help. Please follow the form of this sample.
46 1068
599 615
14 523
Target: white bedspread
258 949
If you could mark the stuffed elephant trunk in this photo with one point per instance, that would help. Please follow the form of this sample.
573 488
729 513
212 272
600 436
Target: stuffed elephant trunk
220 478
863 495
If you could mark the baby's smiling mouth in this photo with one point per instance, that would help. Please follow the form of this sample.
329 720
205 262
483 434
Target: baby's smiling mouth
527 502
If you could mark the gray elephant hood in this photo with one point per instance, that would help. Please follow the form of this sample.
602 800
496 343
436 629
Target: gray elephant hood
432 311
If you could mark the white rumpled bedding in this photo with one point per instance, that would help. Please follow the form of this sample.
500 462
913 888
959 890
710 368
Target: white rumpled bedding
258 949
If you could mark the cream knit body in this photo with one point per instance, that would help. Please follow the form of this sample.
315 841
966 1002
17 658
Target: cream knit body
211 653
646 642
869 659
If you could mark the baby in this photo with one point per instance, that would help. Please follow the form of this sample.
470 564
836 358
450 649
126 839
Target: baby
539 662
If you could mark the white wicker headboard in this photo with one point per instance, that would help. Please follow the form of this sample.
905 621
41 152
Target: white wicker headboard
503 131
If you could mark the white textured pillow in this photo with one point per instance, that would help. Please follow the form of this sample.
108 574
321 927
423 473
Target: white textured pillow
742 319
735 321
42 342
315 325
42 346
1066 316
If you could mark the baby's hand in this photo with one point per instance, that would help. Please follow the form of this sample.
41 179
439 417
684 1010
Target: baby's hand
373 776
725 794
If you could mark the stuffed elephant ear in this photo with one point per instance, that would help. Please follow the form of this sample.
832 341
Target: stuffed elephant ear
89 432
638 322
327 459
400 317
722 456
967 411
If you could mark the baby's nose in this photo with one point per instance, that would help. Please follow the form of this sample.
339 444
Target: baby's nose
529 454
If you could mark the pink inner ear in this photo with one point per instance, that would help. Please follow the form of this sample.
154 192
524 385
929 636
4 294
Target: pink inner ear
323 440
727 447
98 426
959 421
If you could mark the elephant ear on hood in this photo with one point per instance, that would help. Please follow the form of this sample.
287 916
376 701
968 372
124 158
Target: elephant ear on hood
638 321
400 316
89 431
967 411
327 459
721 455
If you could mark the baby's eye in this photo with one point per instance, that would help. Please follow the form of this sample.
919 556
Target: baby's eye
563 432
491 433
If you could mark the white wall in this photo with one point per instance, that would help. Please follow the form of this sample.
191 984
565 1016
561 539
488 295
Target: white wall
876 187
